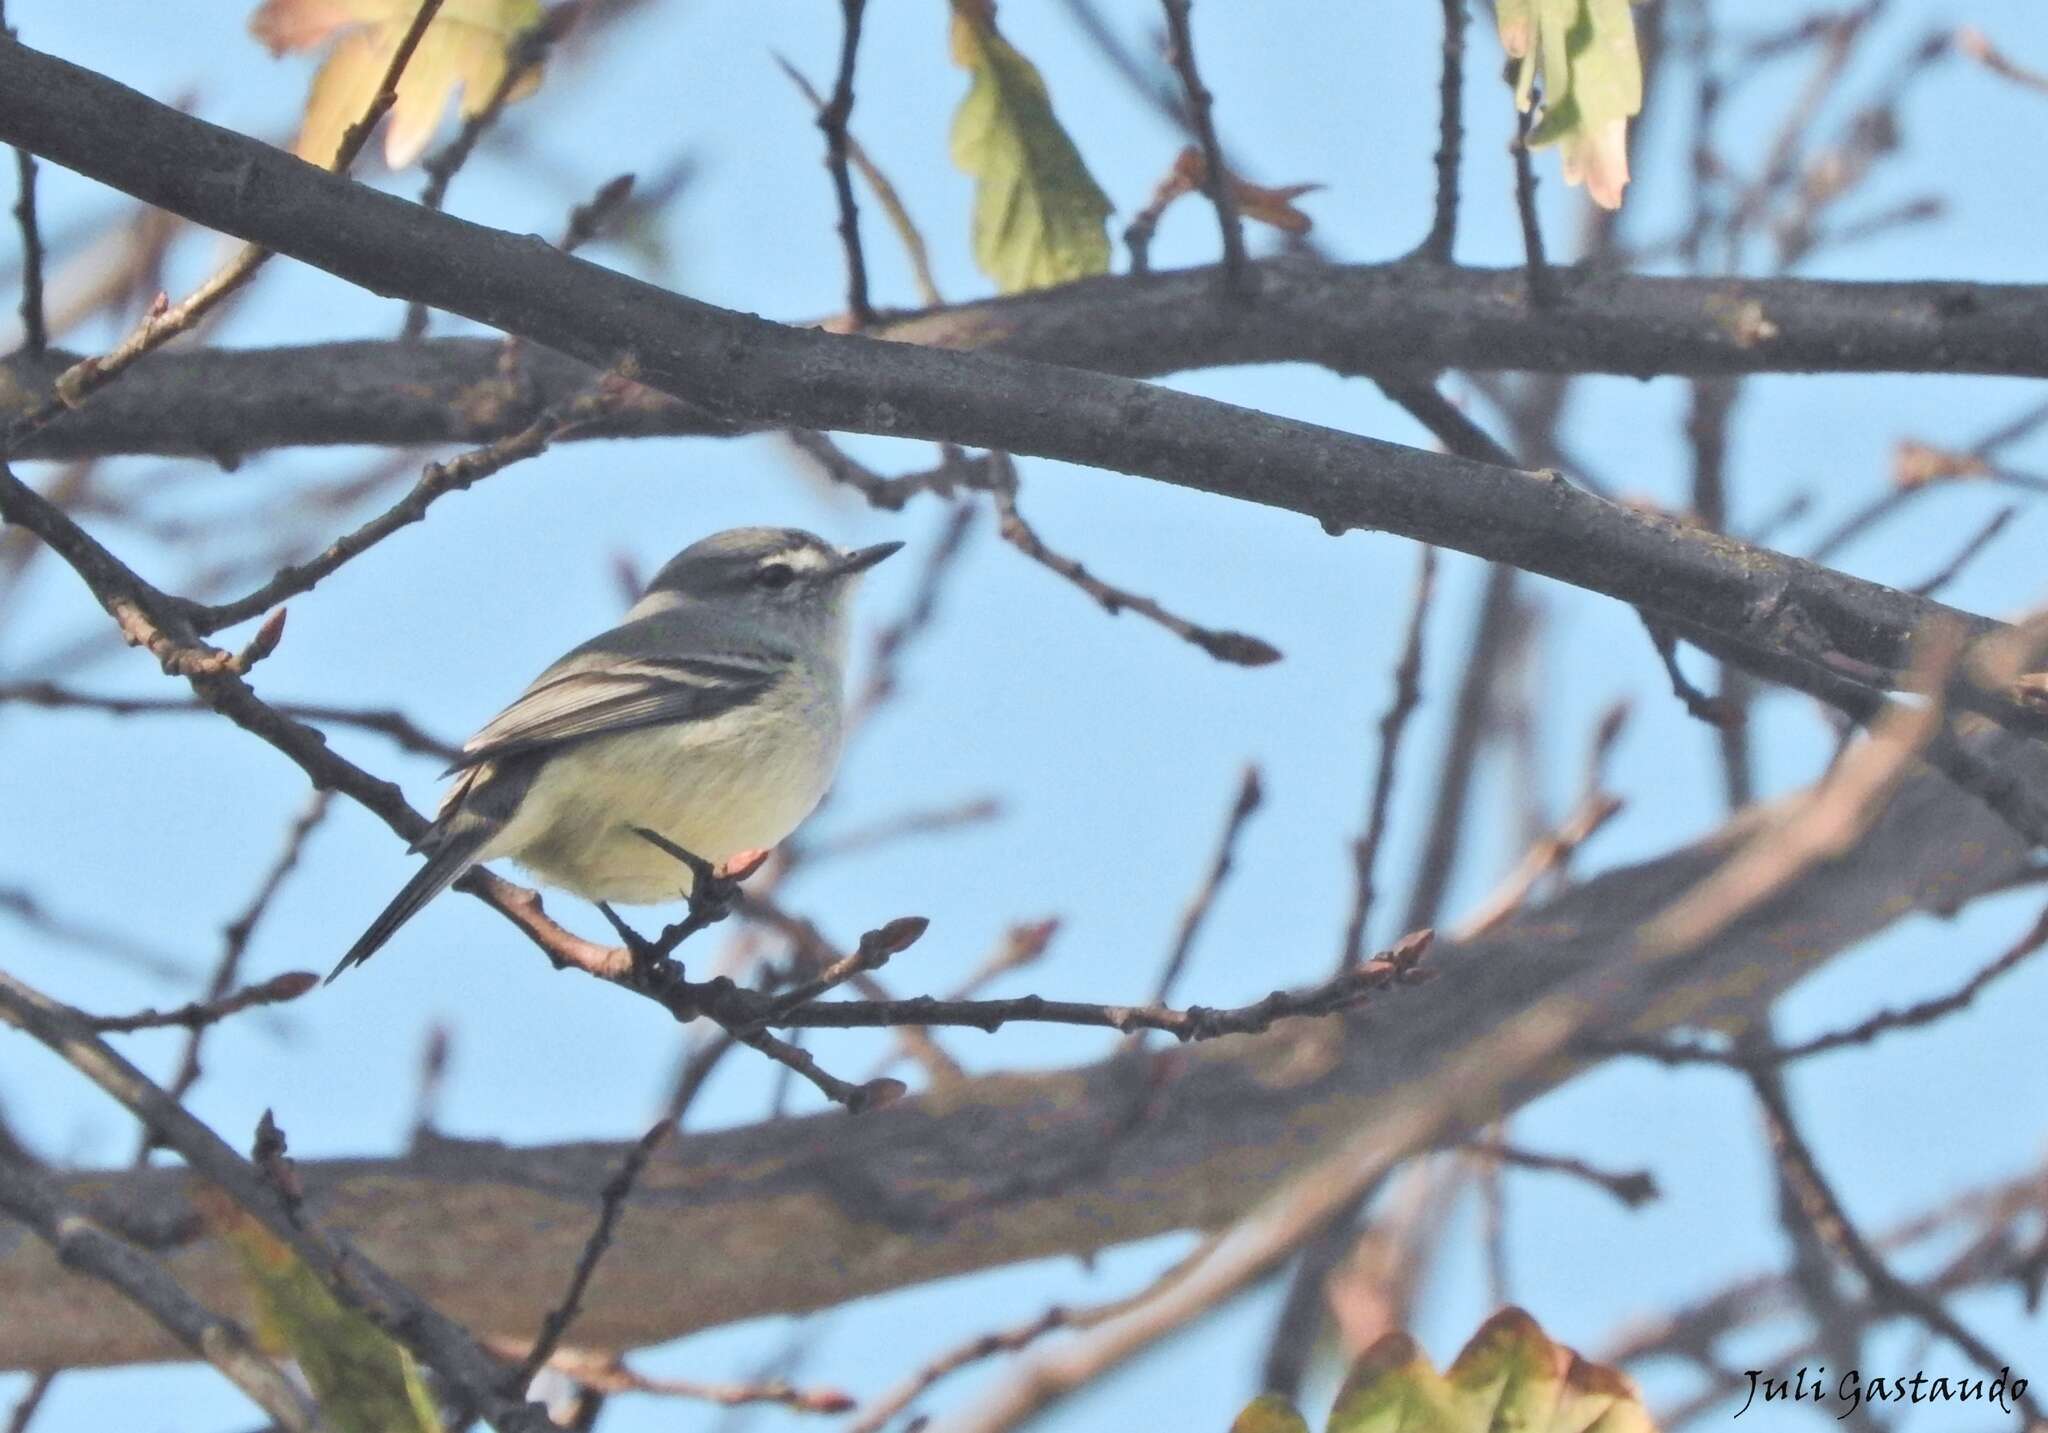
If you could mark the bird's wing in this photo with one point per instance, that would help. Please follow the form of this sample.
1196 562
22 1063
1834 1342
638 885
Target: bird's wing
597 689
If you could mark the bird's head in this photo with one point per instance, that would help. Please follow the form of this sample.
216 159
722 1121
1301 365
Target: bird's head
784 579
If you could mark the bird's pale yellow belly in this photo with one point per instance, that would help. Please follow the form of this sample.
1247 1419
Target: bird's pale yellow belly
739 782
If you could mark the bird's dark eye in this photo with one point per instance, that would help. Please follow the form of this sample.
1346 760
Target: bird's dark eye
775 576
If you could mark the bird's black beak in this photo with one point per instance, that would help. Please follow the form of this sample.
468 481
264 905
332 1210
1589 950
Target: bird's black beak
862 558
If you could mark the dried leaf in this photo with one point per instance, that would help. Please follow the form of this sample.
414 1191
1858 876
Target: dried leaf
1269 205
363 1382
467 48
1038 214
1584 54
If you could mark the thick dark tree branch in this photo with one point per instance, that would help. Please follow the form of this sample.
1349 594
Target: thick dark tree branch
1355 318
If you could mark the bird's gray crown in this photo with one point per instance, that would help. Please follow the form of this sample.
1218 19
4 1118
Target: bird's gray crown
747 558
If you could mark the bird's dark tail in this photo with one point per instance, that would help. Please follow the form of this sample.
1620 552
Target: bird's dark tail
451 856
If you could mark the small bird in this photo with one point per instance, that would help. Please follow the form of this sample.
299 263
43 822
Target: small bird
711 715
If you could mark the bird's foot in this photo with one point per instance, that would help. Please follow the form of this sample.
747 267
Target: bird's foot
651 958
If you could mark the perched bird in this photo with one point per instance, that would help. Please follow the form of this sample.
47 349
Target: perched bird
711 715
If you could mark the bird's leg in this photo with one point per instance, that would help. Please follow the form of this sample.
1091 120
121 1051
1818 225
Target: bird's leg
648 955
712 890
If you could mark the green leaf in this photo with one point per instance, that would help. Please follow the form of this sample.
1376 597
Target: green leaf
363 1382
1269 1413
1038 214
1584 54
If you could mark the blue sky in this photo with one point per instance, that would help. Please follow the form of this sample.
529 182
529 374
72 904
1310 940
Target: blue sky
1113 747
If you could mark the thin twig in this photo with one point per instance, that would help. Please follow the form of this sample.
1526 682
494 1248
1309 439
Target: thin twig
1977 45
35 328
893 208
1393 726
200 1014
1443 228
1863 1032
436 480
1542 283
440 1343
524 60
889 493
24 1410
1196 912
165 321
1700 706
82 1245
1222 644
1553 850
1833 1227
1953 568
906 825
1196 1022
886 652
1237 278
609 1374
388 722
1634 1188
833 121
611 1199
877 1413
99 940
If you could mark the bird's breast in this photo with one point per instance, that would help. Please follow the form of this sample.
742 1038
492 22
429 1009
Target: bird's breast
739 781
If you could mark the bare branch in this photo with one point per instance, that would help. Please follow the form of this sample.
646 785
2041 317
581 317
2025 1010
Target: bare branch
351 1278
1832 1225
527 55
1393 725
84 1246
1222 644
833 121
1196 912
196 1016
1237 277
35 328
885 194
166 322
1633 1188
1441 240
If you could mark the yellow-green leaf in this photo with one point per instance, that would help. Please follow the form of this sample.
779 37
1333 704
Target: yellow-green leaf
1269 1413
1511 1378
1393 1389
466 49
1038 214
363 1382
1584 54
